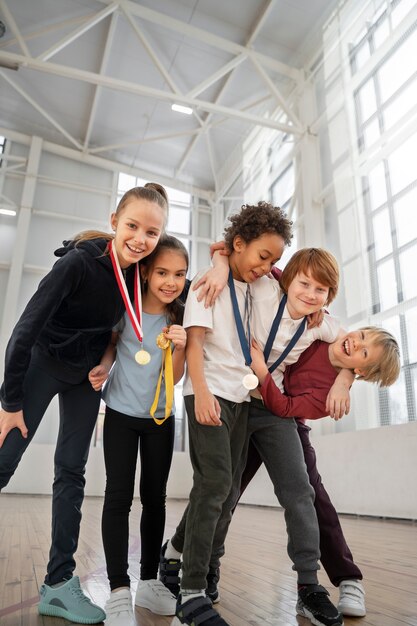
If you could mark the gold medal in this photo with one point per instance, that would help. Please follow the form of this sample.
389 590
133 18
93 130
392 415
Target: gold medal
142 357
162 342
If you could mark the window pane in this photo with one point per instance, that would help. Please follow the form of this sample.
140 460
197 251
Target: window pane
381 33
367 100
402 166
126 182
387 285
371 133
405 210
377 186
408 264
414 379
392 324
398 68
362 55
382 234
400 11
398 401
179 220
405 100
283 188
411 325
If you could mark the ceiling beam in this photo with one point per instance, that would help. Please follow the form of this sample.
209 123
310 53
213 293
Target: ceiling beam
148 47
9 19
71 37
143 90
134 142
97 89
40 109
108 164
204 36
210 80
260 22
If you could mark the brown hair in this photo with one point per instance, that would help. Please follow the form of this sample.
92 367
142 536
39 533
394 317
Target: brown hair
255 220
387 369
153 192
319 263
175 309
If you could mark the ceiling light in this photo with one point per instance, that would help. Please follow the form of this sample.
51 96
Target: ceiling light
181 109
7 212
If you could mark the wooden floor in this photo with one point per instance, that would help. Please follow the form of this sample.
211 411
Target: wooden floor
257 585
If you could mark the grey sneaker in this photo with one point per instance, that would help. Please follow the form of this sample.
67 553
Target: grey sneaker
70 602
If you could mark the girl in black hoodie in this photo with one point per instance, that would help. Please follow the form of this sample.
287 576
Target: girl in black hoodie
61 335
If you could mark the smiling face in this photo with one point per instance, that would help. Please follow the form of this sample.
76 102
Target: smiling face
305 295
165 279
357 351
138 227
250 261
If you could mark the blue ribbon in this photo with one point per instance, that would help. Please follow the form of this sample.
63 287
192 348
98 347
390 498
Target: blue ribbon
244 342
273 332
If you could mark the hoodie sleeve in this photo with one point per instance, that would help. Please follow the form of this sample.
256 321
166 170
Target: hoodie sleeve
311 405
57 285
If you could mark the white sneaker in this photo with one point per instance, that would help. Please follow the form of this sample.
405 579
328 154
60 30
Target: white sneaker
153 595
352 598
119 609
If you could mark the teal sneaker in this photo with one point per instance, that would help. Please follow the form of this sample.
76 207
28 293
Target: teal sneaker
70 602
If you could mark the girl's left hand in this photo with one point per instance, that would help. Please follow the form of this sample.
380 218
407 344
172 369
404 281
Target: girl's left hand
178 335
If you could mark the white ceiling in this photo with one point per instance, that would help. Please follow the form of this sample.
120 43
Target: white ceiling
100 76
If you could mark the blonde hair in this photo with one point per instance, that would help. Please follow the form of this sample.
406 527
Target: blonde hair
319 263
387 369
153 192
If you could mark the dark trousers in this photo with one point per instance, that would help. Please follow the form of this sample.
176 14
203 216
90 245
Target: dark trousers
78 409
214 452
124 436
336 557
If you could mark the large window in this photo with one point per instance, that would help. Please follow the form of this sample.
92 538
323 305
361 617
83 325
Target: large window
385 99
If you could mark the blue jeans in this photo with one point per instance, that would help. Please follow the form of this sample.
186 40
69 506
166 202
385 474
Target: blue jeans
78 409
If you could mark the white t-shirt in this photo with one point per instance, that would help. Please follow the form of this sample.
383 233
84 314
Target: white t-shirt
224 363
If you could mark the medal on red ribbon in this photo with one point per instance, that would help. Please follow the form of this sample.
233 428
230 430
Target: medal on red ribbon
135 314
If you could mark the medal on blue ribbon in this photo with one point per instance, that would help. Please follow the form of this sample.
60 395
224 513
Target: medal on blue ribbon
250 381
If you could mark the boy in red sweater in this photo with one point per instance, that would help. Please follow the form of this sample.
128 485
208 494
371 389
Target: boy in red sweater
372 354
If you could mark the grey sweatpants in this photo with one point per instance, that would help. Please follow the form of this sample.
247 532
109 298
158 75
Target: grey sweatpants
215 452
279 447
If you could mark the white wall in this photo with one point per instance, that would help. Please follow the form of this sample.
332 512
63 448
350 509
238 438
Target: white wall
371 472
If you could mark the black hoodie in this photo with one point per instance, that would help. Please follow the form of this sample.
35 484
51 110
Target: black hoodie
66 325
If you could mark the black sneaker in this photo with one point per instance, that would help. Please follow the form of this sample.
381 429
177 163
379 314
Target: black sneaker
313 603
169 571
197 611
212 591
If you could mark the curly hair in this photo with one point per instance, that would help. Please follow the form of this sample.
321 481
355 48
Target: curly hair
253 221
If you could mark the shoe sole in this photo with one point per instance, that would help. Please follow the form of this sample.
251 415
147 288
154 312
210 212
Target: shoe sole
304 612
56 611
216 599
153 610
352 612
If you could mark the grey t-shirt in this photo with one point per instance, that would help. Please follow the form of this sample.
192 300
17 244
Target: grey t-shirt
131 387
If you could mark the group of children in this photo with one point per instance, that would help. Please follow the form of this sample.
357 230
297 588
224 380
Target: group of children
124 295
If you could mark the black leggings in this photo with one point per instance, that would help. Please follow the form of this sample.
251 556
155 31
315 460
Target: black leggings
122 437
78 408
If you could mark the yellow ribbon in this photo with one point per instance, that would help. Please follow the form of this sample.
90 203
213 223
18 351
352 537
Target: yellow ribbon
168 370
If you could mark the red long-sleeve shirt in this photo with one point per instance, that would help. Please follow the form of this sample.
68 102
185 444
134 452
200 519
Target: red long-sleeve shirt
307 383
